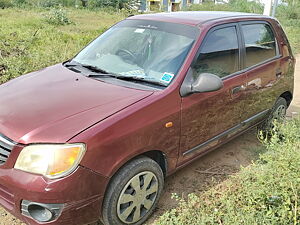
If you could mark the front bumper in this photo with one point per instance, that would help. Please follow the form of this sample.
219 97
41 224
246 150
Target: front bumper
81 194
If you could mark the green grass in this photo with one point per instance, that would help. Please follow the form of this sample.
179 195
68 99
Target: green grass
267 192
263 193
292 29
28 42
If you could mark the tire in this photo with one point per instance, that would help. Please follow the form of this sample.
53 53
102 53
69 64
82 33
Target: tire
128 194
266 129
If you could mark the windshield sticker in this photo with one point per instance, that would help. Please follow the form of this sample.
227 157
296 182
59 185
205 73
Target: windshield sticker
139 30
148 26
133 73
167 77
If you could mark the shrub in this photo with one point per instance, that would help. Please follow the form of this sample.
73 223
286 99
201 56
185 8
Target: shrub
246 6
289 11
58 16
5 4
49 3
19 3
115 4
44 3
208 6
233 5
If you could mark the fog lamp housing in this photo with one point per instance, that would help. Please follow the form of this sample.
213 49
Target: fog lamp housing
41 212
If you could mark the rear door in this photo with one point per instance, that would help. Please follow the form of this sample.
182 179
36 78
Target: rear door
262 67
207 118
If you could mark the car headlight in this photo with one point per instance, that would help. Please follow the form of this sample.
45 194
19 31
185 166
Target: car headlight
50 160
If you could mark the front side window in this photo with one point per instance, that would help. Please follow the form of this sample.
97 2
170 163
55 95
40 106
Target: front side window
219 54
148 50
260 43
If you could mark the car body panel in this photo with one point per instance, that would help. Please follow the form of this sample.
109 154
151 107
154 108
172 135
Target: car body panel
123 141
34 103
82 203
268 80
205 115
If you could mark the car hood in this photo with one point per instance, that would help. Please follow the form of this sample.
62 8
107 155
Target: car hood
54 104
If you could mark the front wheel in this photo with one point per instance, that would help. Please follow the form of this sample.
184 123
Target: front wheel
133 193
278 113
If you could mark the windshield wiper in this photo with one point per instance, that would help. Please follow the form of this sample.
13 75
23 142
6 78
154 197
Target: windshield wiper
89 67
95 69
100 73
140 79
96 75
127 78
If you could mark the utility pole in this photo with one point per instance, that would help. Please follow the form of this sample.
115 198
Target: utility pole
274 7
267 9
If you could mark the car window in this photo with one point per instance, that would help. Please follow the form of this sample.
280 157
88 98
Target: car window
219 54
259 42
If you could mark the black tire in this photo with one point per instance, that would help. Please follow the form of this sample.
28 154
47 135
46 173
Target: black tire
123 180
265 130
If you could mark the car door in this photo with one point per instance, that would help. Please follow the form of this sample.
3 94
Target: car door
262 67
208 118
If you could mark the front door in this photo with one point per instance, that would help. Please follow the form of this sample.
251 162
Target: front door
207 118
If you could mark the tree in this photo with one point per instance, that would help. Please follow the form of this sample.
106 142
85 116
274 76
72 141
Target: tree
84 3
292 2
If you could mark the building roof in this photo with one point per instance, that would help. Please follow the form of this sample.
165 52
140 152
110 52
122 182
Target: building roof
192 17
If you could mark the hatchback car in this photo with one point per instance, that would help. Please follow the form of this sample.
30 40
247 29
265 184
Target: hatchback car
94 137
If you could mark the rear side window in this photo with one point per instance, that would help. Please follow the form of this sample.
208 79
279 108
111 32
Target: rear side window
219 53
260 43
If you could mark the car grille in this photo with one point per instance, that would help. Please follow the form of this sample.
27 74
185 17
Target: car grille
6 145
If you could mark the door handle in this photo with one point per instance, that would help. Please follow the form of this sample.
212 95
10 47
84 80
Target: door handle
237 89
278 73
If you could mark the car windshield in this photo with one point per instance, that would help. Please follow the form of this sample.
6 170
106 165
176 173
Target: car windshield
151 51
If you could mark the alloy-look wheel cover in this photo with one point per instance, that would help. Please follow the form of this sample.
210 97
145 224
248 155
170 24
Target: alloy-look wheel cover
279 113
137 197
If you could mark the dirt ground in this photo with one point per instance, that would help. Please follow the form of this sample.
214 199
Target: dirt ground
207 171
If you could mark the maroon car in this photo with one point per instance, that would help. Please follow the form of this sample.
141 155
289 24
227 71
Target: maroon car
94 137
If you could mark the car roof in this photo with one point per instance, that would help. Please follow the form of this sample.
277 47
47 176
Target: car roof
194 17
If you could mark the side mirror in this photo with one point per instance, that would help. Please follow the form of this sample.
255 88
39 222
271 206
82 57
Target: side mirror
206 82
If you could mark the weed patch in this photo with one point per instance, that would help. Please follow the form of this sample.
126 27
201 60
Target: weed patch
267 192
58 16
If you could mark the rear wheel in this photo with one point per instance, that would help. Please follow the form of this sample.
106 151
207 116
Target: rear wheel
278 113
133 193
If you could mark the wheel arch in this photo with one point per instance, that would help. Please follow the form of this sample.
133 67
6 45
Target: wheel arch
156 155
159 157
288 96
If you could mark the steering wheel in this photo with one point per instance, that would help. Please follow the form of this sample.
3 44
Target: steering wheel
127 55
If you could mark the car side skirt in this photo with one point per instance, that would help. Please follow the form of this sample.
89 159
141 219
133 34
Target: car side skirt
231 131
